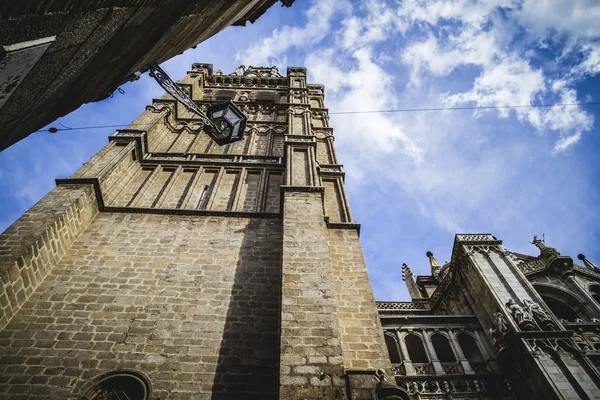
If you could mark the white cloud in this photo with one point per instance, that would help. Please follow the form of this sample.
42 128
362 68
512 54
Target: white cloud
269 50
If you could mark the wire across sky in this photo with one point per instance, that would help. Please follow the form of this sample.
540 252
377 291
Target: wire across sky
399 110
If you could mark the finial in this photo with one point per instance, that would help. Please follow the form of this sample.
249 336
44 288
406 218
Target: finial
434 265
588 264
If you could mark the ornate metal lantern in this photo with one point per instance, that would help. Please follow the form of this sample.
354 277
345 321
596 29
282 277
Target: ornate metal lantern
225 122
229 120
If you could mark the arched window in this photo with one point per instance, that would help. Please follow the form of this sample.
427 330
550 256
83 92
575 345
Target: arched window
392 348
416 350
595 292
561 309
442 348
119 385
469 348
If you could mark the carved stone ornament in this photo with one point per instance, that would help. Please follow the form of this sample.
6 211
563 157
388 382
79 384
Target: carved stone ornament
171 122
537 313
521 316
239 71
387 390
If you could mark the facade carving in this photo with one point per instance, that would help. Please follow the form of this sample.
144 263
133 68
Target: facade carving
168 267
540 321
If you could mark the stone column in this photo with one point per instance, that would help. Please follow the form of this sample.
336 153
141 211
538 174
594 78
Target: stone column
408 365
459 353
437 365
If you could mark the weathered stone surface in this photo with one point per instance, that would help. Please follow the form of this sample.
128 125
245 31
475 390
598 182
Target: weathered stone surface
195 264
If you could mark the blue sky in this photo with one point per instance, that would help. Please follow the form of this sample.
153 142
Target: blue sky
413 179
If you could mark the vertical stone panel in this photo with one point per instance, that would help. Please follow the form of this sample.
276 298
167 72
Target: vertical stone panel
323 153
249 192
205 184
154 189
261 144
183 143
300 167
174 198
277 149
311 361
239 146
225 192
298 126
119 173
272 197
127 196
201 143
164 138
333 201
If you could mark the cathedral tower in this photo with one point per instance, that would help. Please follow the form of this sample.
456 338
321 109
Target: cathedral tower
169 267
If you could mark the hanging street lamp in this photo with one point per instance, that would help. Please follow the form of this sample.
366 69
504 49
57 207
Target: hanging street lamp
225 122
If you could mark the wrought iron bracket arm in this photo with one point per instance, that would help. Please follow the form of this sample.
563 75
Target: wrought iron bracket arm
172 88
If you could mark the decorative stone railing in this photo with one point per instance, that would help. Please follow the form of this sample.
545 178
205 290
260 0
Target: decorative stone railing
452 368
398 369
423 368
401 306
480 368
451 386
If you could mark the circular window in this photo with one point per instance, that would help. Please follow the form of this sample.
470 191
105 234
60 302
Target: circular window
119 385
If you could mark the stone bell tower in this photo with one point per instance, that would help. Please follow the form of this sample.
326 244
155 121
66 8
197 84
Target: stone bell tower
169 267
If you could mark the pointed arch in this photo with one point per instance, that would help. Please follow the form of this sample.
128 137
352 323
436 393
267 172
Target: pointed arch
563 303
442 348
392 348
416 349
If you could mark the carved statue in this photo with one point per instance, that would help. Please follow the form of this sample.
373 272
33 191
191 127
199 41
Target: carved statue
501 323
218 72
535 310
239 71
516 311
275 72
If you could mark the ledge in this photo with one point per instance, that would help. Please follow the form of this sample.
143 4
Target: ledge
543 334
85 181
290 188
343 225
127 135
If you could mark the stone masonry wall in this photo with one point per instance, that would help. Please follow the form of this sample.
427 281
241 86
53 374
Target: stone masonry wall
361 333
31 246
192 302
311 356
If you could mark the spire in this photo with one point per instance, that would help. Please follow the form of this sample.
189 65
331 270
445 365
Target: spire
411 282
588 264
434 265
